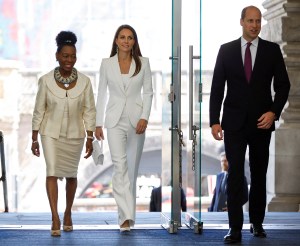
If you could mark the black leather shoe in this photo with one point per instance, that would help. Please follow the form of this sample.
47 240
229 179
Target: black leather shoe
258 230
233 236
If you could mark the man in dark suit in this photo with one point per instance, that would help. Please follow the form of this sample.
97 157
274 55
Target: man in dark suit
155 201
219 200
249 112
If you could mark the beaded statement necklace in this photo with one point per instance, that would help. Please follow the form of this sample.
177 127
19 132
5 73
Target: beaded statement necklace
65 81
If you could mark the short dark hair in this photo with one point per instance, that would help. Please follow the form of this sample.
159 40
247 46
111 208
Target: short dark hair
243 14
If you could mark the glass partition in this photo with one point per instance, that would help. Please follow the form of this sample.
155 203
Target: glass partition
181 138
191 39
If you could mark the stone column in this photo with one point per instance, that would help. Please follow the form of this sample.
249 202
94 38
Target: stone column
283 27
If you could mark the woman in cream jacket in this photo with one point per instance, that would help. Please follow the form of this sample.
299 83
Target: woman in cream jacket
64 114
127 76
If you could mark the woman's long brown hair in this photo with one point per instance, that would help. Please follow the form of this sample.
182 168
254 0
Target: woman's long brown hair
136 52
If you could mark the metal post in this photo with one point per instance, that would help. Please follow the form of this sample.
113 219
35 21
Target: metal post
3 177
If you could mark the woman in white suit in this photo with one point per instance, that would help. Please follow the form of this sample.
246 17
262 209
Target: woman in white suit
126 77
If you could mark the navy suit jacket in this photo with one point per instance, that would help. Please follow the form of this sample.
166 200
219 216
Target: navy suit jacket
219 199
246 102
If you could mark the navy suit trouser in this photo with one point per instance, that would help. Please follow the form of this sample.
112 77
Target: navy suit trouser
236 144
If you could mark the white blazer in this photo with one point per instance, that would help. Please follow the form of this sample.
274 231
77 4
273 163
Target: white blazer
136 97
50 102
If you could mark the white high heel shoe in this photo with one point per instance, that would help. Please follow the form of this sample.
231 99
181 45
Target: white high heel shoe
125 226
124 229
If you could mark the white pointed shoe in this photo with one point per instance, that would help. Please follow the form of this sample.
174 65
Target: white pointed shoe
124 229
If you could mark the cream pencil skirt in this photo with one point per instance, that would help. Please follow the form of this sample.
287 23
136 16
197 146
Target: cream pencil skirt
62 155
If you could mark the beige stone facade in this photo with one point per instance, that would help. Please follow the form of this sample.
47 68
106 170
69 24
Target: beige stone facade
283 27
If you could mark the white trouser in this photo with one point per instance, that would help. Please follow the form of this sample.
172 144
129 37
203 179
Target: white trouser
126 148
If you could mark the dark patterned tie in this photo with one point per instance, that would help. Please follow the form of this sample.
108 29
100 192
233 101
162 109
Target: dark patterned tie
248 62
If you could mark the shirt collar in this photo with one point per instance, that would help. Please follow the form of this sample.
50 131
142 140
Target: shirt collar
254 42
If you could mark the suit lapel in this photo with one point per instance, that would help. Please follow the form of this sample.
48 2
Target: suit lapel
53 87
258 58
239 57
236 60
131 72
117 72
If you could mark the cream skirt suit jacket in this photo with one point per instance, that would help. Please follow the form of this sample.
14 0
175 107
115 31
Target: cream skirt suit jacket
62 118
128 102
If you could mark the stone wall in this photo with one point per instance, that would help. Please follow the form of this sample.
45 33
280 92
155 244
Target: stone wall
283 27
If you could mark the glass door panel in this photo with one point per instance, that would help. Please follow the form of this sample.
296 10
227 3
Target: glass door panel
181 139
171 161
191 69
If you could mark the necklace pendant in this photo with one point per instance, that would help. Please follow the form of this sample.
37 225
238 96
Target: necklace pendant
66 85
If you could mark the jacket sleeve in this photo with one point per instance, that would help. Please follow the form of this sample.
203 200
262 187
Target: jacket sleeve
147 91
281 84
102 95
89 111
40 105
217 90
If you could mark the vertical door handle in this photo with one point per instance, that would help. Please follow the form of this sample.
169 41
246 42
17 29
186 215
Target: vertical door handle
191 91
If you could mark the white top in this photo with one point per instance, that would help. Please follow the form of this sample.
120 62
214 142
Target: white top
125 79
